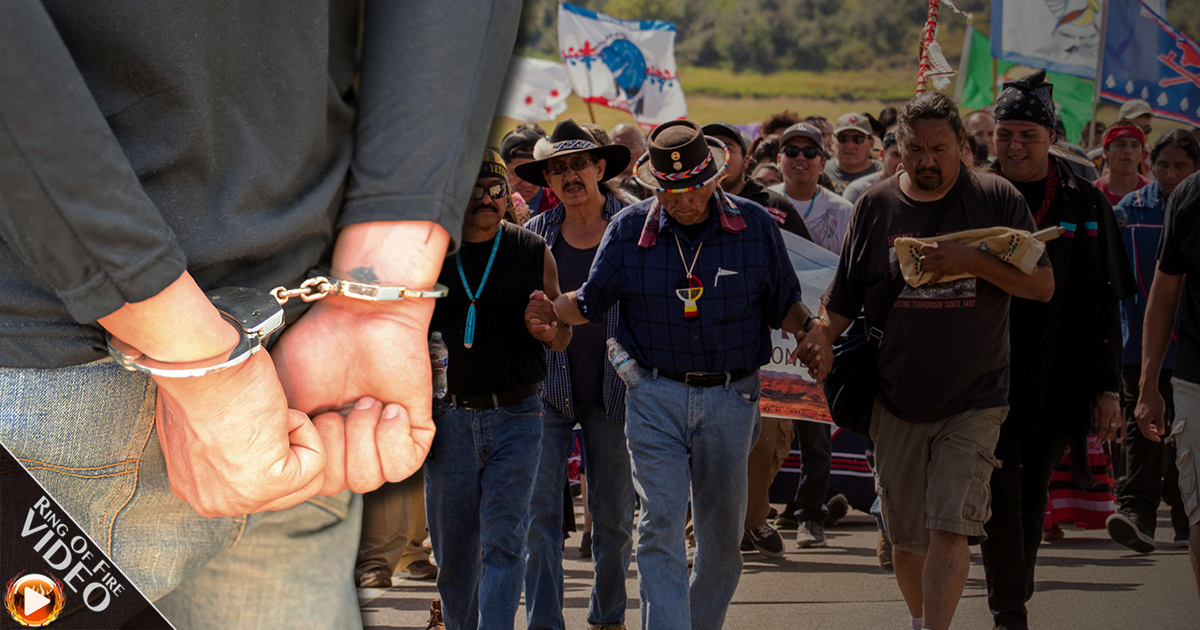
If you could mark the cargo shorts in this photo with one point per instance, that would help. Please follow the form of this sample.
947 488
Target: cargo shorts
1185 432
935 475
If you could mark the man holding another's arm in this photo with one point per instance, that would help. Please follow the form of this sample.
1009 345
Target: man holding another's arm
701 278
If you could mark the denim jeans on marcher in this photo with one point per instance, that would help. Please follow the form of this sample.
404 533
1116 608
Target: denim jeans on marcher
87 433
695 438
478 481
611 500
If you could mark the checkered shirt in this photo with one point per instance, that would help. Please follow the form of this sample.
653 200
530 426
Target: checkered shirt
749 285
556 389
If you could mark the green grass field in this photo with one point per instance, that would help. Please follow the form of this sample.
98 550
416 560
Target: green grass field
742 98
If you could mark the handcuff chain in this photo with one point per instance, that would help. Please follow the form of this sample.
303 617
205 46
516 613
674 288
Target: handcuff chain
310 290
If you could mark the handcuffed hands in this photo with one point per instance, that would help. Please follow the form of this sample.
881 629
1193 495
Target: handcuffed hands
232 446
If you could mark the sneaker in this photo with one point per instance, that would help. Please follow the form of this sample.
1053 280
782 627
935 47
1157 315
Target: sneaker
375 578
422 570
772 513
766 540
1054 532
1181 539
691 555
747 543
786 521
883 553
585 545
435 616
810 534
1125 530
838 506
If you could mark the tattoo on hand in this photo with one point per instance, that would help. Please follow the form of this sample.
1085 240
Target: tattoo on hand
364 274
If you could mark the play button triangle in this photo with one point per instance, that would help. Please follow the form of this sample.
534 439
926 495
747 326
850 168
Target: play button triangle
34 601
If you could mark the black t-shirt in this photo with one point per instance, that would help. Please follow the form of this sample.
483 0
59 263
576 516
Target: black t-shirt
143 140
946 346
1179 253
586 353
504 356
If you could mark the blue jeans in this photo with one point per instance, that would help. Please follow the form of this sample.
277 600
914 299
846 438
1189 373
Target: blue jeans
87 434
610 499
478 481
684 437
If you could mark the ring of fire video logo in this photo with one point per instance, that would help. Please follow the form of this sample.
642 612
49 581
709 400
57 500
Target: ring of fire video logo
33 599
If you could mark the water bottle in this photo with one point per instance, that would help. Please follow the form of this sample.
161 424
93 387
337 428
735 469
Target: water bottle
624 364
439 360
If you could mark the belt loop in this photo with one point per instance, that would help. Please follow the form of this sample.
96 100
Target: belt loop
728 380
453 401
654 373
495 402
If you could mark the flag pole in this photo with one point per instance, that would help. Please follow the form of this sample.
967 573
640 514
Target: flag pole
927 36
995 77
963 62
591 114
1099 67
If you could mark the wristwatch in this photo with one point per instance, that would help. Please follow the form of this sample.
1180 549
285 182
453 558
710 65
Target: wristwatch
254 314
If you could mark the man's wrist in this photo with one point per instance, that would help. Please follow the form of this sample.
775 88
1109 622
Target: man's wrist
814 320
178 325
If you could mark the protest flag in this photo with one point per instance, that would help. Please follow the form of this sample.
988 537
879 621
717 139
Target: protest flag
1146 57
981 77
534 90
623 64
1062 36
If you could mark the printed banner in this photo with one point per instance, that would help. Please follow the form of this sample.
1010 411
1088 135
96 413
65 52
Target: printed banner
1059 35
1072 95
1146 57
787 390
534 90
623 64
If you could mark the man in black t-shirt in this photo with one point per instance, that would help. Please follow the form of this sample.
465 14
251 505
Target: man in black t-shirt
1178 267
478 478
943 356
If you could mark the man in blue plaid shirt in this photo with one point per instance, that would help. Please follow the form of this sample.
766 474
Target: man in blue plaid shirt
699 287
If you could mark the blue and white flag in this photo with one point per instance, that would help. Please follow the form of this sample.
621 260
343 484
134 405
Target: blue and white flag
623 64
1147 58
1059 35
534 90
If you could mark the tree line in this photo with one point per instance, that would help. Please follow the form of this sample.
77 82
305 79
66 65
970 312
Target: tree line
771 35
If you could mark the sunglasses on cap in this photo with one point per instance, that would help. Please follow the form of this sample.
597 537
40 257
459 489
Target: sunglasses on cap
794 151
577 163
847 138
495 191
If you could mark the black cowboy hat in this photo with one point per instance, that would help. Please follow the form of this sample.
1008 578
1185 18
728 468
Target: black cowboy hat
679 159
567 138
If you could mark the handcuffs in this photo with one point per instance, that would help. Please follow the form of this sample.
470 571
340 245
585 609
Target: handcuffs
256 315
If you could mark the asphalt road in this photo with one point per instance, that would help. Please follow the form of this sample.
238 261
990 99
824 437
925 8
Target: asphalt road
1085 581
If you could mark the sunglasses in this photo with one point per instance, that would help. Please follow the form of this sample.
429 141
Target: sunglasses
575 164
794 151
847 138
495 191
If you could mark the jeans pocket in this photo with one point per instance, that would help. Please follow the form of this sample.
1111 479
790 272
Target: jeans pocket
531 406
746 390
977 505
